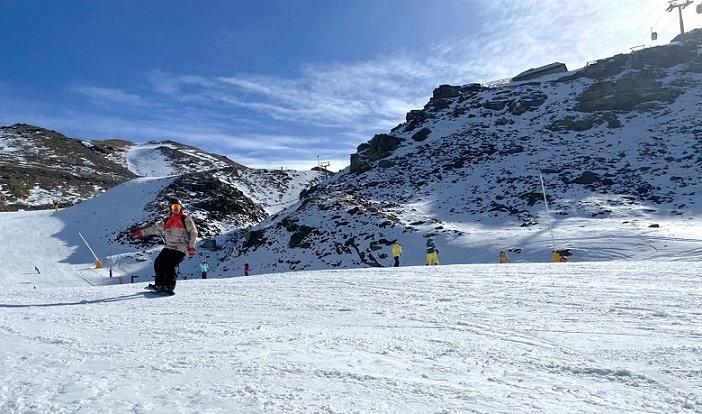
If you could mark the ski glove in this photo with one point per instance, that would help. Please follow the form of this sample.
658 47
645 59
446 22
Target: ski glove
135 234
191 251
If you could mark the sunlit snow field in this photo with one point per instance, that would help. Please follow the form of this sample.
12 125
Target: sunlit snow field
608 337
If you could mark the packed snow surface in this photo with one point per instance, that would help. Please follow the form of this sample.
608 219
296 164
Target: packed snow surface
605 337
148 161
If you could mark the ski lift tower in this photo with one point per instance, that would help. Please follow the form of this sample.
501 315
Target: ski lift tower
322 164
680 5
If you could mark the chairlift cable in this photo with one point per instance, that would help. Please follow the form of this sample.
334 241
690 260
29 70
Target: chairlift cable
672 20
666 25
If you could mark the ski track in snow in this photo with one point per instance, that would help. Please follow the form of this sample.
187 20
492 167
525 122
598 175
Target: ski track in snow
611 337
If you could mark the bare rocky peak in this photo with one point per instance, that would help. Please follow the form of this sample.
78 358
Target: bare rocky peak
39 166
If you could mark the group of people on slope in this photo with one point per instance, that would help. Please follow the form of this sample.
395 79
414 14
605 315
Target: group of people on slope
180 234
556 256
204 267
432 252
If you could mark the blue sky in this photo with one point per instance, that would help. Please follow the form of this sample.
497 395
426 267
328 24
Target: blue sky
278 83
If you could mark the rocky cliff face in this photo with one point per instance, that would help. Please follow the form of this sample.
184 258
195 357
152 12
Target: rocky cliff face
38 166
617 139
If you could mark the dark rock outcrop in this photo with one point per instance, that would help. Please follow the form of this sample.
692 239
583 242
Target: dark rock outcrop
626 94
215 200
379 147
421 135
587 177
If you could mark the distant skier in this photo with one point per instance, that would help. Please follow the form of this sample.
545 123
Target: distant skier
503 257
563 259
555 256
396 253
247 269
180 234
37 270
203 267
432 252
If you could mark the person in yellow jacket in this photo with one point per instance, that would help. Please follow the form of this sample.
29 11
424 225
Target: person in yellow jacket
503 257
555 256
396 253
432 253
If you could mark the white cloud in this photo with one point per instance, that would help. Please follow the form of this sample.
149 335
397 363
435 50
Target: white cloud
377 93
268 150
168 84
110 95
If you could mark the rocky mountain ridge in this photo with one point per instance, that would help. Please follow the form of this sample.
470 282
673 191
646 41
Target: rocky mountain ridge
39 167
620 139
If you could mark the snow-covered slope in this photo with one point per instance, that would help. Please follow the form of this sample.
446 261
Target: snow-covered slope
38 167
164 158
618 144
50 240
526 338
274 190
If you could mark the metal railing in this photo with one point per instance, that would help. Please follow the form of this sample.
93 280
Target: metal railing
497 83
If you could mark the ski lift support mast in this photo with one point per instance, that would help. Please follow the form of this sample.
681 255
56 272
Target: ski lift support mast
680 5
548 213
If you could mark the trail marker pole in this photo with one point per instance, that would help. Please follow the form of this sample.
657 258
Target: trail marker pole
110 244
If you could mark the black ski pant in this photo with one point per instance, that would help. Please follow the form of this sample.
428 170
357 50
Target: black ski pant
397 261
165 267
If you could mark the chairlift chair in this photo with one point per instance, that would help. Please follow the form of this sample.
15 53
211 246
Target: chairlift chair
654 35
699 8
